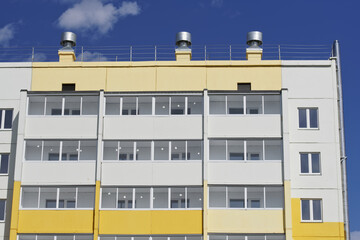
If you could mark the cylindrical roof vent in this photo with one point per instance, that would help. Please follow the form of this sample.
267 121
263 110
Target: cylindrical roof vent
254 39
68 40
183 39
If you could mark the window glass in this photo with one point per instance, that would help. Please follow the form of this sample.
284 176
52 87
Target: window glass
144 105
195 105
217 104
126 151
125 198
302 118
88 150
254 104
236 197
26 237
177 105
217 197
162 105
83 237
178 150
235 104
161 150
110 150
72 105
112 106
142 197
217 150
273 150
193 237
67 197
254 150
317 209
33 150
51 151
129 106
108 198
275 237
255 197
45 237
194 197
86 197
305 209
30 197
64 237
143 150
256 238
8 118
90 105
274 197
236 237
70 151
272 104
4 164
177 197
313 117
160 198
304 163
194 151
36 105
48 197
53 105
217 237
159 238
1 113
235 150
315 162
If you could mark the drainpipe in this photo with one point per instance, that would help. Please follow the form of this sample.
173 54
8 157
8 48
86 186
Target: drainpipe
343 158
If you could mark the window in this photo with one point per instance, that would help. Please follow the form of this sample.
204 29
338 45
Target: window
68 86
311 210
308 117
246 197
152 150
58 197
2 209
84 150
63 105
245 150
154 105
4 163
310 163
155 237
240 104
55 237
247 237
162 197
6 117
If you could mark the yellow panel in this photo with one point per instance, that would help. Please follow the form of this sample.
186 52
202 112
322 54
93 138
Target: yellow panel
324 230
157 76
15 211
56 221
245 221
96 210
181 79
151 222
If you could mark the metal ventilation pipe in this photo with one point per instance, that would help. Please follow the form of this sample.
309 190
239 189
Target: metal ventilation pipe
68 40
254 39
183 40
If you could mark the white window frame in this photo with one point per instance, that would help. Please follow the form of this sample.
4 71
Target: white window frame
245 198
311 210
62 106
78 150
309 154
57 198
1 155
307 115
151 204
2 125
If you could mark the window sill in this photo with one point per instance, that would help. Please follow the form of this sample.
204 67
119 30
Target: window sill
311 174
57 209
311 221
6 129
308 128
149 209
245 209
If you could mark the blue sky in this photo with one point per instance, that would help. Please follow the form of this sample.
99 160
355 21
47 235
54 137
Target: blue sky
114 22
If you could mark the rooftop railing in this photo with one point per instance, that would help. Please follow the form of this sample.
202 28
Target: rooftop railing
165 53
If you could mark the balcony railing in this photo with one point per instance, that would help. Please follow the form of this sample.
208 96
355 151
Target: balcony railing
165 53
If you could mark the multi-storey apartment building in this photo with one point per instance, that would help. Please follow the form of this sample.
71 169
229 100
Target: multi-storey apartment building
172 150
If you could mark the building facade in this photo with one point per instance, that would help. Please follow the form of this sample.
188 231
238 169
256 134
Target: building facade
160 150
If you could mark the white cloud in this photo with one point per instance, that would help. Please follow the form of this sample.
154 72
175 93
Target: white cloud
6 34
355 235
94 15
217 3
91 57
